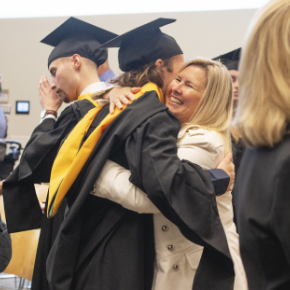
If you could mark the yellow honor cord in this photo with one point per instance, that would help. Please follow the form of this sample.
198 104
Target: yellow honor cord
73 155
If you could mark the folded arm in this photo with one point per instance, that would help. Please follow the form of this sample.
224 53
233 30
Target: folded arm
113 182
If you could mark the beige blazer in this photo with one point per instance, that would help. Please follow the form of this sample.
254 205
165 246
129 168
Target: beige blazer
176 257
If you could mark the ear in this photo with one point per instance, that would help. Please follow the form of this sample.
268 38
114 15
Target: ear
159 63
76 61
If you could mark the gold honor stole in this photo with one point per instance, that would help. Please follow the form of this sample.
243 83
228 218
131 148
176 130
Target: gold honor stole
74 153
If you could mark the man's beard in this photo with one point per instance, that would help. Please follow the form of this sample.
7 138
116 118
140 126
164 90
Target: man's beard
64 96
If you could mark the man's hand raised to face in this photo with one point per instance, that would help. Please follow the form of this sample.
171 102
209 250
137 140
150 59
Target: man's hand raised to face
49 99
228 166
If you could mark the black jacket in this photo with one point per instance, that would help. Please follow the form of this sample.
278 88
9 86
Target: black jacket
262 206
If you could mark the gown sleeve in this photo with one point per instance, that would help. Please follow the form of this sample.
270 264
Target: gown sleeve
21 204
42 147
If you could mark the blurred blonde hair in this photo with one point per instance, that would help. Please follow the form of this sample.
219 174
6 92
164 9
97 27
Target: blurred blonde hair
236 135
264 95
215 108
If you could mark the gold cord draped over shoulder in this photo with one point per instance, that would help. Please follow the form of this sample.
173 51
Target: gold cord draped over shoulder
74 153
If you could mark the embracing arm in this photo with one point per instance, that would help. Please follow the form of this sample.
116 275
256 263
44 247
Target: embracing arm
222 177
113 184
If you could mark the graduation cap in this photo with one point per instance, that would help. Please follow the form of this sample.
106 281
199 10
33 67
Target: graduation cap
144 44
231 59
75 36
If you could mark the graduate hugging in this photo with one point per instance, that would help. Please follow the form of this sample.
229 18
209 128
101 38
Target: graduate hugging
143 194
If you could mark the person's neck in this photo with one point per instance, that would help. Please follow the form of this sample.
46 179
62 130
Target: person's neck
103 68
87 82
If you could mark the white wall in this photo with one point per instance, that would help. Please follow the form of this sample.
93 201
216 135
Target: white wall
23 59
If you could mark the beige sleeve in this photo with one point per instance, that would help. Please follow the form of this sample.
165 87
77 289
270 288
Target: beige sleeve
113 184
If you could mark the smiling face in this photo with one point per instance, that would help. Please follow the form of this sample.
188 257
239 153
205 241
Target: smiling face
185 91
64 80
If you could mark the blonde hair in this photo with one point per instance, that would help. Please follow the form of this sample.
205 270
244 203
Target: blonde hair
236 135
263 110
215 108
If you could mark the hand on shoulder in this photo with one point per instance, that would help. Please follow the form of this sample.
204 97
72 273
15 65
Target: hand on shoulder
120 96
228 166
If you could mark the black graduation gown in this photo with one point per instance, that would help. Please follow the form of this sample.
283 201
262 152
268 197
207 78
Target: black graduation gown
21 204
263 216
108 257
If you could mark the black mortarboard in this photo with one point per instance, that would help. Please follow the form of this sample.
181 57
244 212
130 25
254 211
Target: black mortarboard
75 36
231 59
144 44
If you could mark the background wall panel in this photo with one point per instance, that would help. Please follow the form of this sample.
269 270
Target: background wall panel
23 59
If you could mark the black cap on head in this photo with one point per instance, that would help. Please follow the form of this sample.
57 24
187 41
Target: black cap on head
75 36
231 59
144 44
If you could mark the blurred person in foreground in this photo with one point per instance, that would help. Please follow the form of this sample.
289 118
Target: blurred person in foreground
263 119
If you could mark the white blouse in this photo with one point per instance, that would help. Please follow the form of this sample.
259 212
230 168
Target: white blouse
176 257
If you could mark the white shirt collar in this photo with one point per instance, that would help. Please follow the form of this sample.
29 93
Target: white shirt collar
93 88
96 88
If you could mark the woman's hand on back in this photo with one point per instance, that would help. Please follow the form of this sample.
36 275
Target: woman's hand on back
228 166
119 96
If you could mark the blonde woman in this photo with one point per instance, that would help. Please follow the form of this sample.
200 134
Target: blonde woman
263 118
200 97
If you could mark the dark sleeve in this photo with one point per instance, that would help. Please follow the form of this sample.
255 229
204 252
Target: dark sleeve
280 214
42 147
220 180
20 201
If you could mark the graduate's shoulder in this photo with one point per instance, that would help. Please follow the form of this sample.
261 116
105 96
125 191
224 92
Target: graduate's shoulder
76 108
154 113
